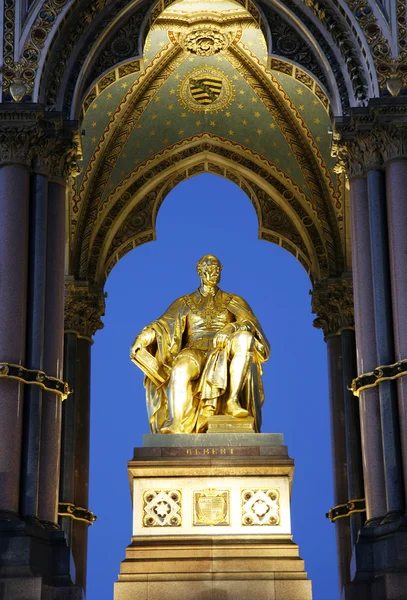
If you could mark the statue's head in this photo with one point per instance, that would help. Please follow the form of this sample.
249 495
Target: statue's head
209 268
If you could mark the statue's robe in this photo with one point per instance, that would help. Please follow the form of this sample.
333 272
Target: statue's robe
213 380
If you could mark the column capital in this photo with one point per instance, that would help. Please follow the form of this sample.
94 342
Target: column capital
371 136
39 140
332 302
84 307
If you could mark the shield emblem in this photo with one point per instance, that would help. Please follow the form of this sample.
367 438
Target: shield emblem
205 89
211 507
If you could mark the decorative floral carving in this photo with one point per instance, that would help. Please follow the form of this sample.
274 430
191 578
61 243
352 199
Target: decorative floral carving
260 506
23 74
297 50
121 44
332 302
379 44
205 42
342 36
84 307
162 508
369 138
39 140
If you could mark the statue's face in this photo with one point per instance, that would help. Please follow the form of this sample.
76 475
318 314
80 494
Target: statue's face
209 272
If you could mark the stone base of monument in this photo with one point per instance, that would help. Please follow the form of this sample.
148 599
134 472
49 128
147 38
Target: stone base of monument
211 521
36 563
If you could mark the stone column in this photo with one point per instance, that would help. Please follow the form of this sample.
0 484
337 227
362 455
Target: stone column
395 148
14 203
353 438
385 342
369 407
338 442
369 139
67 472
53 354
83 308
333 303
30 463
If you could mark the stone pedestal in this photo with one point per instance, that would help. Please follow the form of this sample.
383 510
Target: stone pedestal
211 520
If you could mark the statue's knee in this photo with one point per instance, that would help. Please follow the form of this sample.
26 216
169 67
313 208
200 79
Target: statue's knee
184 370
243 340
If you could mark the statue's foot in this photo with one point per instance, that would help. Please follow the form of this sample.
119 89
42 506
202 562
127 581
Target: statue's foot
234 409
171 427
208 411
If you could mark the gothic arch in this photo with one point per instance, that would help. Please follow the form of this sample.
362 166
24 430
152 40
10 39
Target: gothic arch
279 206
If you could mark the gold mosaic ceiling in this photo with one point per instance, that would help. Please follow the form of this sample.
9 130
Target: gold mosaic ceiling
204 87
206 94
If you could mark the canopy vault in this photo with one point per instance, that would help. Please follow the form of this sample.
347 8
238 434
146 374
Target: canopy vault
205 97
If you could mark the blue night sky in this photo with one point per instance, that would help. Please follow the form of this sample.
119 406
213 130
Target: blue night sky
208 214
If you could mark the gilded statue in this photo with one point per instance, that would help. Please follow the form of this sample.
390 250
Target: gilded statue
203 357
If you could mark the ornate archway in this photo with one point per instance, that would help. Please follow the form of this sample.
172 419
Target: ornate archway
112 104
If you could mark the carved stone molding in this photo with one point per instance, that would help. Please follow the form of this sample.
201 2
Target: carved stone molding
332 302
369 138
39 140
342 36
84 307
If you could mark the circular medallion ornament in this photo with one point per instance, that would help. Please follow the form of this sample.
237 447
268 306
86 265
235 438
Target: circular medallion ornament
206 89
205 42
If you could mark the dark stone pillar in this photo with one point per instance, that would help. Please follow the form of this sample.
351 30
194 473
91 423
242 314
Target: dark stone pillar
30 464
370 138
53 354
333 303
371 438
396 187
385 342
75 447
338 437
67 474
83 309
82 433
14 202
352 425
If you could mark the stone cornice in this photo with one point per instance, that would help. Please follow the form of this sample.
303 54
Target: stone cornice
371 136
332 302
84 307
39 140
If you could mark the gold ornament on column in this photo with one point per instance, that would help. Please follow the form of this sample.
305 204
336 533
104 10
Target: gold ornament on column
394 83
18 89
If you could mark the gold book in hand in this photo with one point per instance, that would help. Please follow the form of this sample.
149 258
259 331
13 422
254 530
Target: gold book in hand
150 366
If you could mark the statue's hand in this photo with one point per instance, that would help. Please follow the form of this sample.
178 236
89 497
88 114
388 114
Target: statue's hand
222 337
144 339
